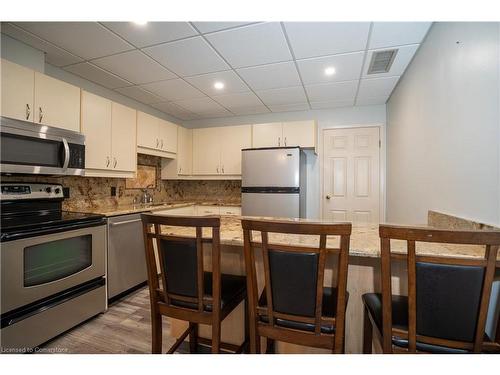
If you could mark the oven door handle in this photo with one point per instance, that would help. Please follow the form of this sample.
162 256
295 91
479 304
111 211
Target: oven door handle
66 154
124 222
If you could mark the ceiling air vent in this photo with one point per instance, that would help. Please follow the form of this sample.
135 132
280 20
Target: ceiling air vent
382 61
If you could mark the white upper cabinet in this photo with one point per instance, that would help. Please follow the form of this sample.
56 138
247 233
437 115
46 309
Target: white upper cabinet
233 140
17 91
267 135
206 151
156 136
285 134
124 137
181 166
57 103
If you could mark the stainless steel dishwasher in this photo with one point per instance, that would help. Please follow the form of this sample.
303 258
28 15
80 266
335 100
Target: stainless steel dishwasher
126 257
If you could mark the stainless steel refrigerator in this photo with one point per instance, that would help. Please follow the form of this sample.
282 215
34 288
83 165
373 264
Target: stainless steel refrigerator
273 182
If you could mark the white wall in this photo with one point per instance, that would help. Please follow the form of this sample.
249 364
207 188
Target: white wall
443 127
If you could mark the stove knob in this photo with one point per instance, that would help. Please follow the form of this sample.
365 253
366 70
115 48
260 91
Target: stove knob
48 190
57 190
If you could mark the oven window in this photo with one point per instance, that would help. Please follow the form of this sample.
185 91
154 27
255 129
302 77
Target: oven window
50 261
18 149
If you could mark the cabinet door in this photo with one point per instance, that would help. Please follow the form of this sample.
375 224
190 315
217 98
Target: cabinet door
17 90
267 135
299 133
167 136
96 125
184 151
206 151
57 103
147 131
123 140
235 138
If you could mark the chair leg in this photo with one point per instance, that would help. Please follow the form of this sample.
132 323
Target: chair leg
156 332
193 337
216 336
270 349
367 333
247 328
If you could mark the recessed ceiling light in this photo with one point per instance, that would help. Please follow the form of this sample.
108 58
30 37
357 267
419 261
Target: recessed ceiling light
140 23
219 85
330 71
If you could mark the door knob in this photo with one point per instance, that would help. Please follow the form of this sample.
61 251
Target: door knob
328 197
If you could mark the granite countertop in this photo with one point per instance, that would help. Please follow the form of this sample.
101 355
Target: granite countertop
365 241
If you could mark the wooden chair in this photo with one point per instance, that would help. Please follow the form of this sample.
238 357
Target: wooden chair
294 306
187 292
447 303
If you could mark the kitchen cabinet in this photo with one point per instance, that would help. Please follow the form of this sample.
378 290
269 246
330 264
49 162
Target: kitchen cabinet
217 151
17 91
56 103
156 136
110 137
282 134
181 166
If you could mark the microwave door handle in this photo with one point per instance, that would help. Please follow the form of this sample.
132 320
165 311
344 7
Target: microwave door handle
66 154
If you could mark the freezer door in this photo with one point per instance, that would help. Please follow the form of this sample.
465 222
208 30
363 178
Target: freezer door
270 204
276 167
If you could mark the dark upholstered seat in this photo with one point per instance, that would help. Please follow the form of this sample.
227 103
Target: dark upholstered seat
328 307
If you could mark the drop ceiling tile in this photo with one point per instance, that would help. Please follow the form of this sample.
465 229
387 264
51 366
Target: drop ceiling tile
88 40
263 43
232 83
135 67
332 104
250 110
208 27
173 89
399 65
287 95
175 110
139 94
375 87
289 107
53 54
241 100
95 74
188 57
347 67
388 34
152 32
271 76
311 39
371 101
202 106
337 91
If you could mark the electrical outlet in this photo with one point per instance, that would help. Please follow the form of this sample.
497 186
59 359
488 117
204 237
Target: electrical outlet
66 192
113 191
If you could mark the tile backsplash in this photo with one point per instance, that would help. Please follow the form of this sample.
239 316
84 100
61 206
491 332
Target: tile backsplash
95 192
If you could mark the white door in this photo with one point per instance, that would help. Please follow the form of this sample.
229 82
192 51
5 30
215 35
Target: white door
147 131
57 103
267 135
234 139
96 125
206 151
123 142
351 183
17 90
168 136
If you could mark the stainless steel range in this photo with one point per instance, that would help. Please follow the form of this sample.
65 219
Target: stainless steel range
52 265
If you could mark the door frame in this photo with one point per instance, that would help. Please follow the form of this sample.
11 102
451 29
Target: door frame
382 164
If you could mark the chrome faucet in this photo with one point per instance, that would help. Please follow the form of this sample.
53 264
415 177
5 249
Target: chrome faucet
146 196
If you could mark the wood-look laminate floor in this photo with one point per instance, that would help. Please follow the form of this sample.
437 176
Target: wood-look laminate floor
125 328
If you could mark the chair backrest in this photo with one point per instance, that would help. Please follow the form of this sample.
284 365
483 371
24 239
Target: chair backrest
448 298
294 275
181 260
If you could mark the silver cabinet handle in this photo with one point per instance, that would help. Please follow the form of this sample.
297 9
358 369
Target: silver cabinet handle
279 141
107 161
40 116
217 169
162 144
157 142
28 111
116 162
180 169
285 141
124 222
222 169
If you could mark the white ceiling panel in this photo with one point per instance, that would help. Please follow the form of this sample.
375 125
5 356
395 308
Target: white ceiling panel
287 95
347 67
289 107
232 83
53 54
337 91
208 27
377 87
152 32
311 39
263 43
88 40
399 65
389 34
271 76
203 106
135 67
174 89
95 74
332 104
175 110
139 94
250 110
241 100
188 57
371 101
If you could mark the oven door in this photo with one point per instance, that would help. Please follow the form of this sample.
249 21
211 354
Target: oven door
38 267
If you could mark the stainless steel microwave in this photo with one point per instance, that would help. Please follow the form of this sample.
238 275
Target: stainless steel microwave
31 148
